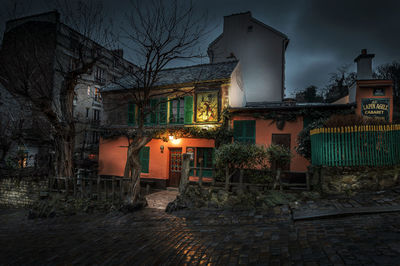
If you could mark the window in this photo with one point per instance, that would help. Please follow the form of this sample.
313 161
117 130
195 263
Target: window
96 115
72 64
95 137
177 111
100 74
306 121
379 92
205 159
201 158
131 114
244 131
97 96
144 156
87 112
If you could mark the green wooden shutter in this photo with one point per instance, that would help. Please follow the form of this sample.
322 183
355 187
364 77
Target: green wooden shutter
250 131
153 115
244 131
306 121
188 110
131 114
144 155
237 130
171 116
163 111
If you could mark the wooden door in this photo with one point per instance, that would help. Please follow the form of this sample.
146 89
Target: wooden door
175 166
283 140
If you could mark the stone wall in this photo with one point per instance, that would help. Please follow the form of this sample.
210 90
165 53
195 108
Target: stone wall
20 193
339 180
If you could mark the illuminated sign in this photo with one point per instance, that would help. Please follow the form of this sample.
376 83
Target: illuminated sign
207 106
378 108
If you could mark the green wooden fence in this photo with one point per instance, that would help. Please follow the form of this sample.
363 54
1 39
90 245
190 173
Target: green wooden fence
372 145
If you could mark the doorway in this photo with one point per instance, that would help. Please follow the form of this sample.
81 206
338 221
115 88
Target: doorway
283 140
175 166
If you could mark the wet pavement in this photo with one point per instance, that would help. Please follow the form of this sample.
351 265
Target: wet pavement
153 237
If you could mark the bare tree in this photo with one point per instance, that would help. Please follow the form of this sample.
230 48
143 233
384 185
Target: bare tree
37 69
159 33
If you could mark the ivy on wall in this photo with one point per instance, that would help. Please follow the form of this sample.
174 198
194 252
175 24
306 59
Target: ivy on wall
220 133
281 117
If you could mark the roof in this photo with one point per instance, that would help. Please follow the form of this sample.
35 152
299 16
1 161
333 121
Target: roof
271 106
281 34
181 75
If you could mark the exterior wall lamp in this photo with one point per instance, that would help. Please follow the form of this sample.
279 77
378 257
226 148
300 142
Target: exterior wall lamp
162 148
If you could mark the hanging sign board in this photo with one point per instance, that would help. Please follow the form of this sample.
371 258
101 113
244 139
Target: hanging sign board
378 108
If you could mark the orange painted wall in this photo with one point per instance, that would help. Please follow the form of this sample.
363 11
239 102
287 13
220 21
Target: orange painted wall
264 131
112 155
365 89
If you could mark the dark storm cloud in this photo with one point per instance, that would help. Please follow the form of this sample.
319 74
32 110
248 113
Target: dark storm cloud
324 35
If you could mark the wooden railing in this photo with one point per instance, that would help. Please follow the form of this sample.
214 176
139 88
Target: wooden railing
242 183
367 145
96 188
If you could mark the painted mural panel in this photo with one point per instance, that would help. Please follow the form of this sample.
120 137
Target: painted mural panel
207 106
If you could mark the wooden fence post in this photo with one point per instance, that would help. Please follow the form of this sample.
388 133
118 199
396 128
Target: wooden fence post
241 172
184 173
201 177
121 188
83 187
98 188
74 180
113 188
227 177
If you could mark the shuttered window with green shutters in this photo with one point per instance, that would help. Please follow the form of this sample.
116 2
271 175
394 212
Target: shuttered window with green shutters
205 159
244 131
163 111
188 110
131 114
144 155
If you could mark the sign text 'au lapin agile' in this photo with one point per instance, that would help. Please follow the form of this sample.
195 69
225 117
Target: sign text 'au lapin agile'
378 108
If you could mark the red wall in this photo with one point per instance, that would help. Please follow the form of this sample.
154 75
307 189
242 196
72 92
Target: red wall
365 89
112 155
265 129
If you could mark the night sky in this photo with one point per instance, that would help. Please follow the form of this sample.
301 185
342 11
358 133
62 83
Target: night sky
324 35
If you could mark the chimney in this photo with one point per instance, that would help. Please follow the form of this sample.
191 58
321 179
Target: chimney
364 65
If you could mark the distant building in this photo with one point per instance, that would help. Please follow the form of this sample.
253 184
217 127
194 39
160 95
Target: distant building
62 57
261 52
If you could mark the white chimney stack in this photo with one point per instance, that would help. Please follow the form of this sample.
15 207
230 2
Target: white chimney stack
364 65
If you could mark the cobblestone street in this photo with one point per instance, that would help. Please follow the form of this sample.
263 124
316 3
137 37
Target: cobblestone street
151 237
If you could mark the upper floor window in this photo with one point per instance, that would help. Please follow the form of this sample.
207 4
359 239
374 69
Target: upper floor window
177 111
180 111
100 74
97 95
96 114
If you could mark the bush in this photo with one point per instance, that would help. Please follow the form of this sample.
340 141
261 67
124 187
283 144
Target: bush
352 120
278 154
239 156
304 140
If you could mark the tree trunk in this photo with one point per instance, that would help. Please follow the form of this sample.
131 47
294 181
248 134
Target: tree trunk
64 152
133 170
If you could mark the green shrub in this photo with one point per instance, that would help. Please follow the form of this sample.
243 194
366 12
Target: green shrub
352 120
239 156
304 140
278 154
